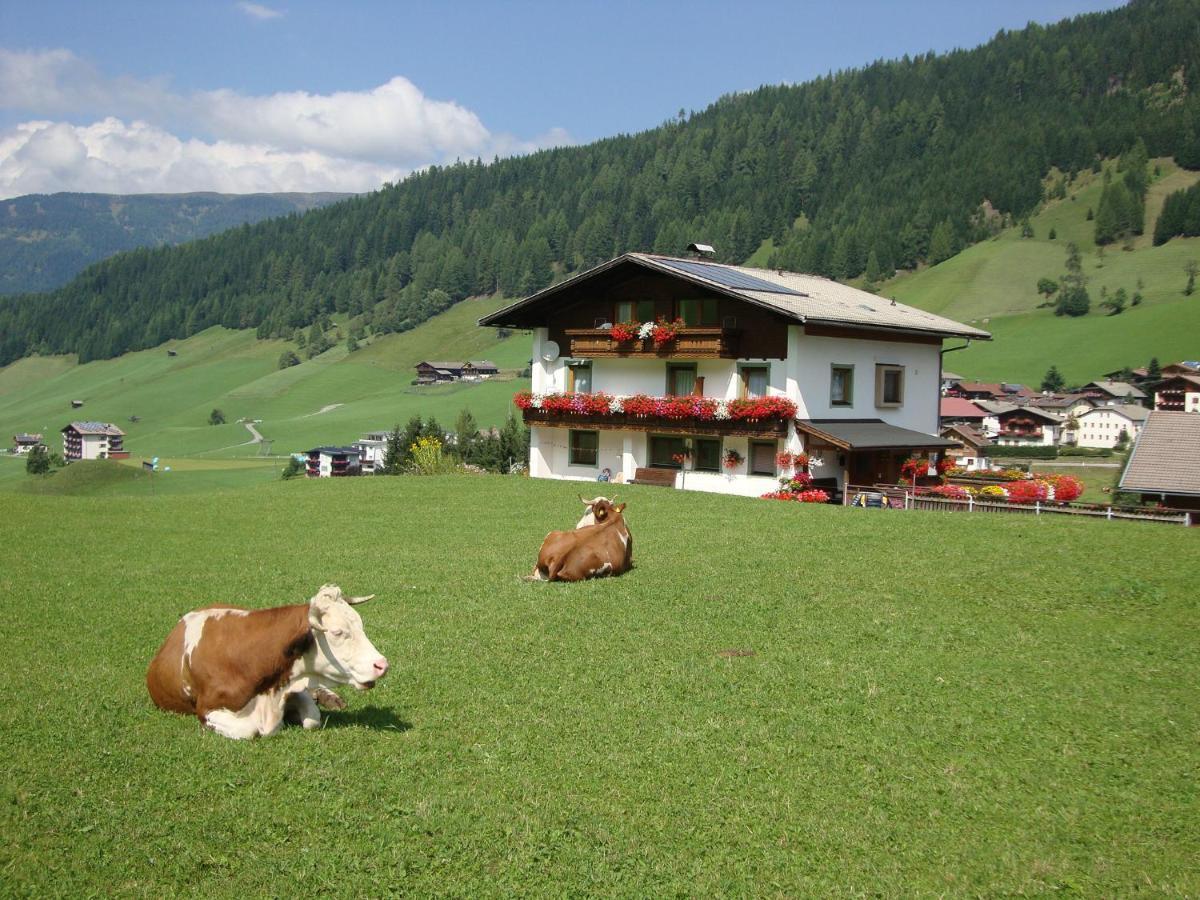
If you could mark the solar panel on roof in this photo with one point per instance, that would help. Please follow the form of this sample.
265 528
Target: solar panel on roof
731 278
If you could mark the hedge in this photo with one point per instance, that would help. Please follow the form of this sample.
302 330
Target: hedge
999 452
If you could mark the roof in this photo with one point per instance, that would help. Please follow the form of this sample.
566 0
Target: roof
1062 401
805 298
871 434
1129 410
981 387
950 376
1190 379
333 450
1053 418
959 408
1117 388
482 364
95 428
1166 455
26 438
968 435
995 407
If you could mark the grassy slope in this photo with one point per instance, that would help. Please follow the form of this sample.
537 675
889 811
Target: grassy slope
954 726
237 373
993 285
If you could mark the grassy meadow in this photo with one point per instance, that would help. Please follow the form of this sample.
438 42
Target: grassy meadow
920 703
331 399
993 285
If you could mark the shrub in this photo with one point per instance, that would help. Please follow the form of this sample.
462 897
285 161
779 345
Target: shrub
293 469
428 459
216 417
999 452
38 461
288 358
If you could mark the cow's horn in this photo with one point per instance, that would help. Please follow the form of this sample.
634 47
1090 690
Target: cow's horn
354 601
587 502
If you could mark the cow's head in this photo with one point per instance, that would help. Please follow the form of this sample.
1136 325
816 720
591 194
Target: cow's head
344 654
599 509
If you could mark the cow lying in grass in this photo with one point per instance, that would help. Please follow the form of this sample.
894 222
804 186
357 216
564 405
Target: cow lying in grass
243 672
590 551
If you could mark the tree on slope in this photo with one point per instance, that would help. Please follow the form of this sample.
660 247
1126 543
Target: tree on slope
1053 380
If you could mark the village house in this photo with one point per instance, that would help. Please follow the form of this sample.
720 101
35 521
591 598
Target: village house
972 450
1010 425
1115 391
1165 463
1103 426
333 462
648 365
471 370
372 448
953 410
1179 393
24 443
93 440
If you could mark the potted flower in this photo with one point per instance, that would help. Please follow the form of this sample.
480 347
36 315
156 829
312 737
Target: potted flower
664 332
732 459
624 332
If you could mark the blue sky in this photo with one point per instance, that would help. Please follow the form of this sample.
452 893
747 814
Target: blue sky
127 97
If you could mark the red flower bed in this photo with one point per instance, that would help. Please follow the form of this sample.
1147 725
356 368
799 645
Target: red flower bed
1066 487
816 495
951 491
1027 491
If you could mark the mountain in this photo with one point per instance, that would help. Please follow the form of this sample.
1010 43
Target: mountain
892 166
48 239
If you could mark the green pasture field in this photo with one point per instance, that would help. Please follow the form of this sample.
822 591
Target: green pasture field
172 396
915 704
993 285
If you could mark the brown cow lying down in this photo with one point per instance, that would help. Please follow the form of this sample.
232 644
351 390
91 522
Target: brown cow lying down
242 672
590 551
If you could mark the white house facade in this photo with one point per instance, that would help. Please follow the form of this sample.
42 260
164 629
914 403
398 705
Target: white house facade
1103 425
754 365
372 448
93 440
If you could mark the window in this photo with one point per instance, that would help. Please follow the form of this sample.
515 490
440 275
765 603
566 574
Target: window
889 385
754 381
662 451
579 378
841 386
681 379
584 448
762 458
707 456
631 310
699 312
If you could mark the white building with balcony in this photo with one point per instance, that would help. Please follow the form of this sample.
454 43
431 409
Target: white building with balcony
714 371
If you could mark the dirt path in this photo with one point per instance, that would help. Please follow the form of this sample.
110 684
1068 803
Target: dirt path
324 409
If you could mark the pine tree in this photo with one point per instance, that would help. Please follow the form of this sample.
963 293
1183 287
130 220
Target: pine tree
1053 380
941 243
1153 369
393 454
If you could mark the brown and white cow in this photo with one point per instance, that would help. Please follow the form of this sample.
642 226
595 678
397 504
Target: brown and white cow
241 672
589 517
590 551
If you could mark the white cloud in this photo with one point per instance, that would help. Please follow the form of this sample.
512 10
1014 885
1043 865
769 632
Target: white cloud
144 137
112 156
258 11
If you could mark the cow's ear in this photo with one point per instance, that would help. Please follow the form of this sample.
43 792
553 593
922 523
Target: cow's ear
354 601
316 614
620 508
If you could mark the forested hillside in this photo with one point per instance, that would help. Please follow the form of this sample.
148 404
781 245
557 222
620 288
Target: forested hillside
864 171
48 239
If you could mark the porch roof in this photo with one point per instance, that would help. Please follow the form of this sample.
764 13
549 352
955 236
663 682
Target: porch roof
871 434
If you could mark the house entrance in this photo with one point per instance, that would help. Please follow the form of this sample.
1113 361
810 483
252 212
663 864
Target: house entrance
874 466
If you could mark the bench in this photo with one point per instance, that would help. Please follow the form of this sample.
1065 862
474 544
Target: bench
659 477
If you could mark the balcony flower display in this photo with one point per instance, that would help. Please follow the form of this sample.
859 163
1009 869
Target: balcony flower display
786 460
914 468
703 409
624 332
663 332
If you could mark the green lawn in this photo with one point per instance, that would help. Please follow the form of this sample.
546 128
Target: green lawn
934 705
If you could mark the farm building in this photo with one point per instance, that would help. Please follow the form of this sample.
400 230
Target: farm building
471 370
649 364
1179 393
1104 425
1165 462
24 443
333 462
93 440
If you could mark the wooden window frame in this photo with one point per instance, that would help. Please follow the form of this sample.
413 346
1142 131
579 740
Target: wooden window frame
881 370
571 449
849 369
676 366
774 445
634 314
714 320
696 454
571 376
650 439
744 382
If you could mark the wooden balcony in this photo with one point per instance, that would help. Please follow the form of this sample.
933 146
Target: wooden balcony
761 428
691 342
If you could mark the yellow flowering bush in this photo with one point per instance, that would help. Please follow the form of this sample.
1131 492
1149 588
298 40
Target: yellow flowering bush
427 457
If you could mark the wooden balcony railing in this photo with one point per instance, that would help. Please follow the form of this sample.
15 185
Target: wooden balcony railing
766 417
691 342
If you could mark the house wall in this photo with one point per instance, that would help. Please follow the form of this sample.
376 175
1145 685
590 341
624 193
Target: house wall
1101 427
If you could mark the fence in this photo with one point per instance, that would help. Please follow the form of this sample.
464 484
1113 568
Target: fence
899 497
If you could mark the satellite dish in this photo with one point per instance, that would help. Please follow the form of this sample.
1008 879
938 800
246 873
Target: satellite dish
549 351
